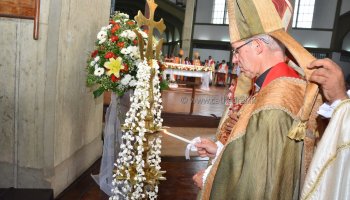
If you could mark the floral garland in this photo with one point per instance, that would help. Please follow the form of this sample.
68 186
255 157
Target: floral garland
113 64
138 177
196 68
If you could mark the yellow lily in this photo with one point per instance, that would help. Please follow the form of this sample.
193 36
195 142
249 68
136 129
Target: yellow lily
114 66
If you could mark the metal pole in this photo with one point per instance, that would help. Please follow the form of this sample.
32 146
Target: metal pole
112 7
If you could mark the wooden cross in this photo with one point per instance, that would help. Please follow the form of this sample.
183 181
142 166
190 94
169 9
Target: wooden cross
142 20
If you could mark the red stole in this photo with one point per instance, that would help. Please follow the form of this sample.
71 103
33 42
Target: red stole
280 70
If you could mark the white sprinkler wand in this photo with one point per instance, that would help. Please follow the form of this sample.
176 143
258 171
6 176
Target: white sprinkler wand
175 136
190 146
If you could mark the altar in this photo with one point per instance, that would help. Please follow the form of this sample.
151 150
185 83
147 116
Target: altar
203 72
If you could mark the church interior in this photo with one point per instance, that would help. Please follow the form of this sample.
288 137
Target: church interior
52 127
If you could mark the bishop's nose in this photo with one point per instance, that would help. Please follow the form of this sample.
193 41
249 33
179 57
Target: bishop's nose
234 59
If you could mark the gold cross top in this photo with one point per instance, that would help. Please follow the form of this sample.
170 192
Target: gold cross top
142 20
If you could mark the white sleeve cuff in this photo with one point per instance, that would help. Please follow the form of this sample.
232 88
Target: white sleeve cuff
205 174
218 151
326 110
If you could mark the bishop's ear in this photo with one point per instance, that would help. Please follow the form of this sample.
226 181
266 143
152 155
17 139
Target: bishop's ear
258 46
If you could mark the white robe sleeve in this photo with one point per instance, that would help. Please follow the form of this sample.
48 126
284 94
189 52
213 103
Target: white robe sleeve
206 172
329 176
326 110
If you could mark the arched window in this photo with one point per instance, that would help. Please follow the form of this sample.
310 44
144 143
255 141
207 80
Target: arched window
303 13
219 15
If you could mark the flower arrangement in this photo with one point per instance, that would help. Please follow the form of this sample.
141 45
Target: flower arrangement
138 170
188 67
113 64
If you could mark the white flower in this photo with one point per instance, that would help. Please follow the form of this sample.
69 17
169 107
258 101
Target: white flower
124 51
92 63
128 34
124 33
102 34
97 58
102 40
99 71
132 83
132 48
126 79
134 52
124 15
104 28
144 34
131 35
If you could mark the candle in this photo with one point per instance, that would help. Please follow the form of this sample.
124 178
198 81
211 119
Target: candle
176 136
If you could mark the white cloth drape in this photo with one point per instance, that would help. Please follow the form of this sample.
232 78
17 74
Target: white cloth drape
329 174
114 118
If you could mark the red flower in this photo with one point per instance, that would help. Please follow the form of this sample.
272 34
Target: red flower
130 23
135 42
112 22
109 55
115 28
120 44
114 78
126 68
94 54
114 38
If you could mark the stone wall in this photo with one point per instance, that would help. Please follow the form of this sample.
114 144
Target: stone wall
50 124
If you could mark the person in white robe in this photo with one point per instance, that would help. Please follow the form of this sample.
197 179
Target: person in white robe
329 174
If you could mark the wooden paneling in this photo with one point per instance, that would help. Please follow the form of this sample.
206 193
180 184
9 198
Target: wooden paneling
18 8
27 9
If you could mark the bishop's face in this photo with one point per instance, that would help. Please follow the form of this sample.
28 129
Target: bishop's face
245 57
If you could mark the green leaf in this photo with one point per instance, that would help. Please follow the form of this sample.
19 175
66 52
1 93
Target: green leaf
164 85
98 92
90 80
120 93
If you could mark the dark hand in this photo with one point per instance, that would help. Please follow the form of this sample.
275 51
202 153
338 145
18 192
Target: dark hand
330 78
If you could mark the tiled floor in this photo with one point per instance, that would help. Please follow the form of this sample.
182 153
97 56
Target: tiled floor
205 102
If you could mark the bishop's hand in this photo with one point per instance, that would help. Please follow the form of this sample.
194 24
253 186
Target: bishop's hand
198 179
206 148
233 118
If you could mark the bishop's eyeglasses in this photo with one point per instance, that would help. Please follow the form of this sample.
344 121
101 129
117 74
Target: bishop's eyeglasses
235 50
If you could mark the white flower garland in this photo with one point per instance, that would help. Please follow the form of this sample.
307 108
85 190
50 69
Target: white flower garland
130 156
